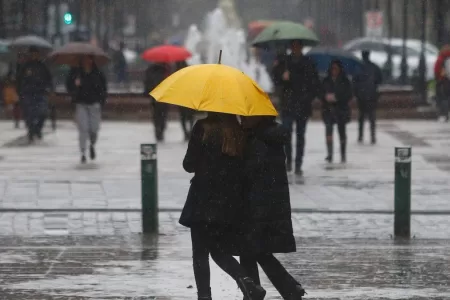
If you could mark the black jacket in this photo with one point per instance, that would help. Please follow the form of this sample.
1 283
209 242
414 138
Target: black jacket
154 75
93 88
34 78
215 196
340 110
366 83
267 190
303 86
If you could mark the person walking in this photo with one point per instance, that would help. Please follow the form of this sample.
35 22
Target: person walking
186 114
337 94
120 65
34 82
214 206
443 94
268 213
300 86
88 88
154 75
10 96
366 92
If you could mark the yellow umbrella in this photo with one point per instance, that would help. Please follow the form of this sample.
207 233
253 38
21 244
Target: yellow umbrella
215 88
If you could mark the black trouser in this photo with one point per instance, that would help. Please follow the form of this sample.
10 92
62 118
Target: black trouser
367 111
342 130
160 111
203 244
443 106
187 120
277 274
300 124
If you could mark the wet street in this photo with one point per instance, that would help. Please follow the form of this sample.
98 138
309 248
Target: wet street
74 232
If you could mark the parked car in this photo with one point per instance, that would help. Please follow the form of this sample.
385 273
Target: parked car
380 48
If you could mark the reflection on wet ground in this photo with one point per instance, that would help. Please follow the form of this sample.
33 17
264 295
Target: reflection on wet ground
160 268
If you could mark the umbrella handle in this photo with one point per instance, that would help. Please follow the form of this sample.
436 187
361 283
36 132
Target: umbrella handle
220 57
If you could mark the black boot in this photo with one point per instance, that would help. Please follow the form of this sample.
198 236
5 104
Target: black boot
92 153
343 152
297 294
205 297
251 290
329 157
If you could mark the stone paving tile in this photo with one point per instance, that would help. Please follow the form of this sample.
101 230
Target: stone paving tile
306 225
47 175
142 267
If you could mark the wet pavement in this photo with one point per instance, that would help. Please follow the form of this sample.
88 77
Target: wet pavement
73 232
159 267
47 176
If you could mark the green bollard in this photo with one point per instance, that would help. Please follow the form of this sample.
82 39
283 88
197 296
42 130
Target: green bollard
149 188
402 218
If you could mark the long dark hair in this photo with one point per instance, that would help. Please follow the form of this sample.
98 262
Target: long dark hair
228 129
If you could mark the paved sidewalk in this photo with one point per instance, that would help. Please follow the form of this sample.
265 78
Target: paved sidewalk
134 267
48 176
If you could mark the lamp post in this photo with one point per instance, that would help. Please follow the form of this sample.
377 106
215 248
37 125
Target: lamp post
387 69
422 62
404 63
2 22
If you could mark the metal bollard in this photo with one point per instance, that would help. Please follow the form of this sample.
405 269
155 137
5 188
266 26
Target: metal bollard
149 188
402 202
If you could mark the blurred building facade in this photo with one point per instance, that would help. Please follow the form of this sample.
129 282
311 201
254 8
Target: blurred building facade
143 22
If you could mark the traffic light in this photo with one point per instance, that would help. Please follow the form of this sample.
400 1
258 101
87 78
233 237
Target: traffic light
68 18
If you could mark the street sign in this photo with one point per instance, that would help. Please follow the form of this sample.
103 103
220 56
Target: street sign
374 24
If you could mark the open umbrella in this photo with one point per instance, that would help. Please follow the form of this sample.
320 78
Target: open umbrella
71 53
166 54
215 88
324 56
285 32
23 43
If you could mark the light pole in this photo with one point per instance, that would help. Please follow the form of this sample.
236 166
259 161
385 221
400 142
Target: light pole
422 62
46 18
2 22
388 65
404 63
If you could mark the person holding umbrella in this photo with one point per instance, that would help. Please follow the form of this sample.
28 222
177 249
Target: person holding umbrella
337 94
87 85
160 58
215 206
186 114
300 86
34 82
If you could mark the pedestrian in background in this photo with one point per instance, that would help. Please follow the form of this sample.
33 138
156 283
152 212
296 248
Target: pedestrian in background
10 96
337 94
268 210
366 92
154 75
214 208
34 83
300 86
443 93
186 114
88 87
120 65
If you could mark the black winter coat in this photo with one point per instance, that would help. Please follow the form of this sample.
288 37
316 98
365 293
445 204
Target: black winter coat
267 189
93 88
34 78
216 193
366 84
303 86
338 112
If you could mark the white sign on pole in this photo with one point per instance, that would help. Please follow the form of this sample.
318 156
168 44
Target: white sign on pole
374 24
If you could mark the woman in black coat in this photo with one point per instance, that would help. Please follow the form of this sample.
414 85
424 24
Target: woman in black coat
269 223
337 94
214 208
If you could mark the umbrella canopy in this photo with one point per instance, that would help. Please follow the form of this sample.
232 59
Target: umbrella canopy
166 54
71 53
285 32
215 88
324 56
23 43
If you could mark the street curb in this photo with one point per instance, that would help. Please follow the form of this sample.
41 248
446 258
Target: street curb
176 210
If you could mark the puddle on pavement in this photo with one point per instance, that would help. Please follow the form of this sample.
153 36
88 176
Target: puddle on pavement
408 138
